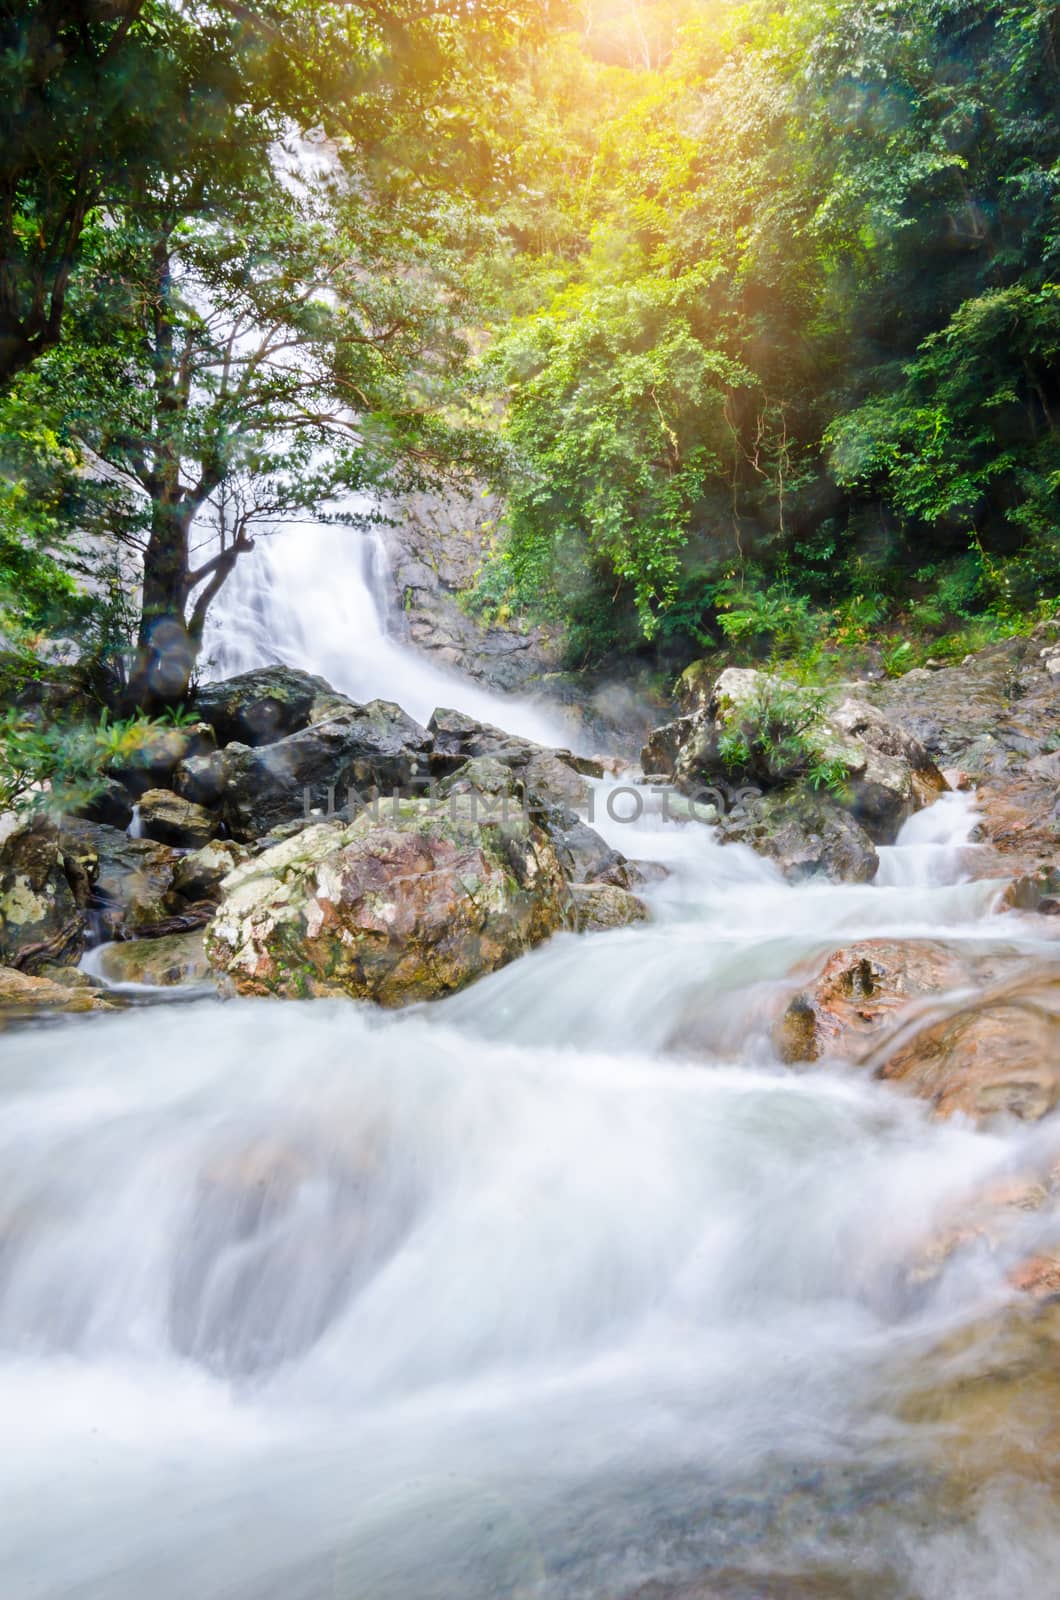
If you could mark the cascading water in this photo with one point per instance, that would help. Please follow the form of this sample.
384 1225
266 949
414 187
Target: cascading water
562 1288
315 596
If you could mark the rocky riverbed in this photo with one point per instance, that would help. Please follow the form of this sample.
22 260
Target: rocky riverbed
644 1186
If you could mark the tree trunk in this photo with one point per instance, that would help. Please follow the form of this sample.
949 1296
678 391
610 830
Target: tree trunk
165 655
166 652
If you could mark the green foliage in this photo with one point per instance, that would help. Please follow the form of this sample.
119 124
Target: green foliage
752 312
617 409
46 766
776 738
58 767
796 323
775 619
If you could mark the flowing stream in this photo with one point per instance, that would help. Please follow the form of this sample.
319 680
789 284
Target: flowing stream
561 1288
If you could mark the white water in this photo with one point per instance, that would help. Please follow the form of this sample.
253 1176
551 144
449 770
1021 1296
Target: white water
315 596
560 1289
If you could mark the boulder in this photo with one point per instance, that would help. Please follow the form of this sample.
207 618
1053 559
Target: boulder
963 1028
583 855
888 773
202 779
966 715
992 720
852 1002
40 920
660 755
807 833
998 1054
174 960
112 804
395 912
369 750
132 879
1034 891
600 906
151 752
169 818
261 706
548 777
70 977
198 875
891 775
24 996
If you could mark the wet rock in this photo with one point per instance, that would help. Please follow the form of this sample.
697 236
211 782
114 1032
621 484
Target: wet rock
855 998
410 910
660 754
199 875
988 1394
583 855
807 834
113 805
995 718
599 906
1037 891
1038 1276
70 977
169 818
891 775
22 995
261 706
370 749
158 752
132 879
40 921
202 779
888 774
642 874
172 961
997 1055
952 712
548 777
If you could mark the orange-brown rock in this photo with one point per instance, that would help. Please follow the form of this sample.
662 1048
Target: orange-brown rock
996 1054
25 996
1038 1276
855 998
947 1024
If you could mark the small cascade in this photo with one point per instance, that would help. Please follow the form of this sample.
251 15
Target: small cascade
135 830
934 846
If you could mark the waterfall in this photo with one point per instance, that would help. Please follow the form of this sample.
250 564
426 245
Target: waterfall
315 596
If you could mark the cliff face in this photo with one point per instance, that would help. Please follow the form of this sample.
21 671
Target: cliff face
436 546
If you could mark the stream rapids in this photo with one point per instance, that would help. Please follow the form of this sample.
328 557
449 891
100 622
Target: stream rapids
561 1288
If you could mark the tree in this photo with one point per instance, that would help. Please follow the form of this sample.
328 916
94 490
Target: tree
243 340
846 221
224 381
102 100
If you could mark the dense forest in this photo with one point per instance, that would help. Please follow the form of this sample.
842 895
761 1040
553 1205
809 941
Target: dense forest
751 312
